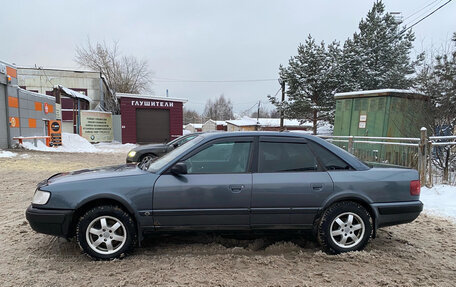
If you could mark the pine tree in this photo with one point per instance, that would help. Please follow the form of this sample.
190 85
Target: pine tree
378 55
311 81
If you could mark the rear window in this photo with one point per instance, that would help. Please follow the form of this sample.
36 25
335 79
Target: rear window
329 160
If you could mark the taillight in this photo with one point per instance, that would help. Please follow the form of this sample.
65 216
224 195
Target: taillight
415 187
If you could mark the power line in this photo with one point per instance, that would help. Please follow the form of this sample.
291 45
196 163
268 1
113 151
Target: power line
416 23
170 80
416 12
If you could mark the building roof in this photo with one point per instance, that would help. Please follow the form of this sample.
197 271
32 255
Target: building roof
245 122
150 97
196 126
73 93
219 123
380 92
57 69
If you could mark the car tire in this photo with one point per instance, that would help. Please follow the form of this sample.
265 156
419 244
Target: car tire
106 232
344 226
146 158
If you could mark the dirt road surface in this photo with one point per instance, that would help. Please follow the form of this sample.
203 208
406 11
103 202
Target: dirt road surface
422 253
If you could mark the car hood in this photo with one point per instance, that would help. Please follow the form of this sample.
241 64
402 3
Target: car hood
151 147
94 173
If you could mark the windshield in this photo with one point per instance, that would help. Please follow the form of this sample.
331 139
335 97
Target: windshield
181 140
164 160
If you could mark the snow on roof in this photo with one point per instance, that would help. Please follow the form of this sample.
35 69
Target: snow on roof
196 126
275 122
244 122
223 123
150 97
268 122
73 93
380 91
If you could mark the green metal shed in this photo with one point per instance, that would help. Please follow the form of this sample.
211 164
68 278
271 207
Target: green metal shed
380 113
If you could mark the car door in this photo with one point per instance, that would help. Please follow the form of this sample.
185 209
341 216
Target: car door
289 185
214 194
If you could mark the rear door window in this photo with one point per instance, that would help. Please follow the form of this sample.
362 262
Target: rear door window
286 157
329 160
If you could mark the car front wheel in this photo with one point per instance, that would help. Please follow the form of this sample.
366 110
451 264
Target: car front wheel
106 232
344 226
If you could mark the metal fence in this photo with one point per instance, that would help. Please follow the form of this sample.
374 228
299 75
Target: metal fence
417 153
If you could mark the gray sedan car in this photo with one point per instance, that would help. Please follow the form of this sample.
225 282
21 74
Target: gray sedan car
144 153
228 181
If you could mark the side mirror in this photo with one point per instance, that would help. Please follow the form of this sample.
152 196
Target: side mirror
179 168
175 145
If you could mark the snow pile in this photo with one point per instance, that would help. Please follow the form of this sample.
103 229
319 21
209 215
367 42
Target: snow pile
76 143
440 200
6 154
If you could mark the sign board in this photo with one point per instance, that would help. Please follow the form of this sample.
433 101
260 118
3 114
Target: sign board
362 121
96 126
58 111
55 132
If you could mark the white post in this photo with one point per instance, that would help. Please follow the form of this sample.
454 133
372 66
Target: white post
422 155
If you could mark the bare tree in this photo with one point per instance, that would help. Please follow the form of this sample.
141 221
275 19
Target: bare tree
220 109
124 74
437 80
191 116
264 113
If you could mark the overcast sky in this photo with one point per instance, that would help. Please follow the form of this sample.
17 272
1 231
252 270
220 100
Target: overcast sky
200 40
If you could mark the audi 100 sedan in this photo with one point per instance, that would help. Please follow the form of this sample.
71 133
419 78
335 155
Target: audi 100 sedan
232 182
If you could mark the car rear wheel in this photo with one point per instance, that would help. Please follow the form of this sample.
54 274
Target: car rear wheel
344 226
106 232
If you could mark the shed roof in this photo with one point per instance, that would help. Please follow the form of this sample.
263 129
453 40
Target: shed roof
73 93
379 93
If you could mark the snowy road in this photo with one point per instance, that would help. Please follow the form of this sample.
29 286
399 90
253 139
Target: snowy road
416 254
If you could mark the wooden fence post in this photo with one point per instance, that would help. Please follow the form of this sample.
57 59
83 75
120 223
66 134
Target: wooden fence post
422 155
429 170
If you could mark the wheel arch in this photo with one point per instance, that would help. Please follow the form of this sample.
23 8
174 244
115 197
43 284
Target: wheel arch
361 199
141 156
103 199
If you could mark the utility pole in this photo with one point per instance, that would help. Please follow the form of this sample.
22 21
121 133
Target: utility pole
258 116
282 84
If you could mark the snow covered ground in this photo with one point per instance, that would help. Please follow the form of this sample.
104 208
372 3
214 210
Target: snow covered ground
76 143
4 154
440 200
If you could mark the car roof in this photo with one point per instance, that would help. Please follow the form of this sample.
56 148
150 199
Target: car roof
255 133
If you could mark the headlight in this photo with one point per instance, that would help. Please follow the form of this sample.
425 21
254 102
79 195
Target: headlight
41 197
131 153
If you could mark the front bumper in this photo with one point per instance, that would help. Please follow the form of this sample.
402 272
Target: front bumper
397 212
55 222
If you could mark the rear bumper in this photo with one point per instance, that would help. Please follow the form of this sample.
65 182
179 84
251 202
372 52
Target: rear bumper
50 221
397 212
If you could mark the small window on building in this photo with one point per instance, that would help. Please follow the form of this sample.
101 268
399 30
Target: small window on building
286 157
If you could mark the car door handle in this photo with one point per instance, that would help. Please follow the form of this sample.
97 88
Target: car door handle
236 188
317 186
